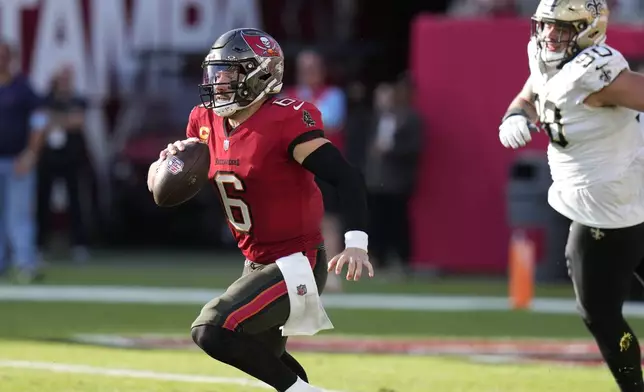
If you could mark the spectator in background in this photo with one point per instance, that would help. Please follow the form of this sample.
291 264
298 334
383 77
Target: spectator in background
391 171
22 126
312 87
63 157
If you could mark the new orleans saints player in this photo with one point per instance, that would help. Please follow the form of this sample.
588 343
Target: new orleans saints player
587 101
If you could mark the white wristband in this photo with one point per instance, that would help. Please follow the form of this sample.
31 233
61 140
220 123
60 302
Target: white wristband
356 239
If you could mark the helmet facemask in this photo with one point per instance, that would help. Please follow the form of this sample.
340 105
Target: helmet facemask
226 86
220 86
556 40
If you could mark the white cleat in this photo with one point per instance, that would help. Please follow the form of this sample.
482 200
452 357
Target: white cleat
301 386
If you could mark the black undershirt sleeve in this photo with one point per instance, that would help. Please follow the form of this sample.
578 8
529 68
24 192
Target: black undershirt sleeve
328 164
303 138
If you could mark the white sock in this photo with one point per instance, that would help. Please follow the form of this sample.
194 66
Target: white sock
301 386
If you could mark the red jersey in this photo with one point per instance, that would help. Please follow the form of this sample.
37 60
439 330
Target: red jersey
317 96
273 205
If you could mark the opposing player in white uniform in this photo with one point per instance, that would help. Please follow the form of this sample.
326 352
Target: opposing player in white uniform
582 94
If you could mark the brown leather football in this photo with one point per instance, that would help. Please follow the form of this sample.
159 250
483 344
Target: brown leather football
181 176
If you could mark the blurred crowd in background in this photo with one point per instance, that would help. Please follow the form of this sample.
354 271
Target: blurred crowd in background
349 57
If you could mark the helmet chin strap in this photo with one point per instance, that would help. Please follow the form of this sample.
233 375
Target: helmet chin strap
552 60
549 65
226 111
232 108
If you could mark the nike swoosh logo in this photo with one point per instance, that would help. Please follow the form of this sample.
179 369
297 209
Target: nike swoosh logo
297 107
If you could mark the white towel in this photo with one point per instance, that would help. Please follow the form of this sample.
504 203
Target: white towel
307 316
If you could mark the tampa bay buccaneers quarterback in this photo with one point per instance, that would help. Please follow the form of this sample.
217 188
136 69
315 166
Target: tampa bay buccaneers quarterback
589 104
264 154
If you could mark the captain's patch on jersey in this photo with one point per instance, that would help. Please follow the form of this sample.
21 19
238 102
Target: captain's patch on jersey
308 120
204 132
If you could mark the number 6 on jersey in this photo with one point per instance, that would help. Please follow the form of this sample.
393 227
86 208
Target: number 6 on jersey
241 222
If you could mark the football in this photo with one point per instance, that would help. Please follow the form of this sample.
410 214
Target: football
181 176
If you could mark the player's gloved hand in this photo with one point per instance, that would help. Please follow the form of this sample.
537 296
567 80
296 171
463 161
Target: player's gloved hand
179 145
515 131
356 259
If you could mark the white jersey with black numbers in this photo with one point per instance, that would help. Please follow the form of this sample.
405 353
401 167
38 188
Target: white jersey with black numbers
596 155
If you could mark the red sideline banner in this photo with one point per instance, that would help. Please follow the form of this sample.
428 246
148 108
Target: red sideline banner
467 72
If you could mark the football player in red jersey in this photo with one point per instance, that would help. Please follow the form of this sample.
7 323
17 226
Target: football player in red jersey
264 155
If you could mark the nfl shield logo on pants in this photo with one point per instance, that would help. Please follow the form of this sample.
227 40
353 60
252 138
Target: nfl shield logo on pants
301 289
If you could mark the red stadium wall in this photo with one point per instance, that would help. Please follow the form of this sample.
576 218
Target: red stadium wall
467 72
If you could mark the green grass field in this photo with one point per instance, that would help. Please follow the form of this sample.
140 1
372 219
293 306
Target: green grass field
37 355
207 270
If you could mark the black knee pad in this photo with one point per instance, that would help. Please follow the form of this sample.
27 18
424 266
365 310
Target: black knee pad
210 338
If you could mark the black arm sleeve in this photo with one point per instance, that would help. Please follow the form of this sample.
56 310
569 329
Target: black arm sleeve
305 137
328 164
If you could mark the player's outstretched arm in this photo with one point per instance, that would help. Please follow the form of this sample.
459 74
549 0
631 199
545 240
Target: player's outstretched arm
626 90
325 161
523 103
